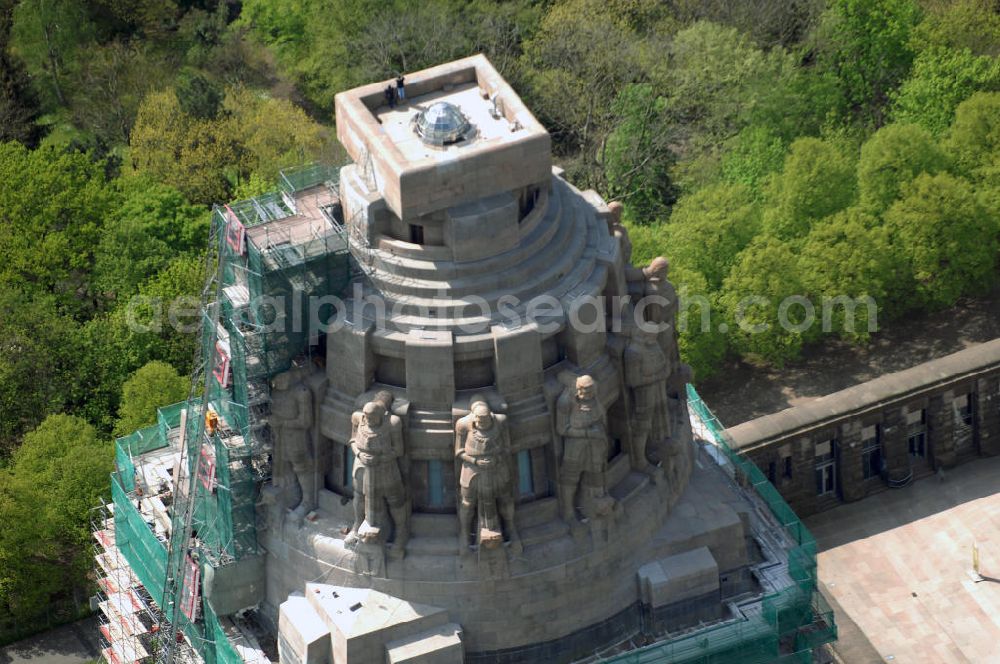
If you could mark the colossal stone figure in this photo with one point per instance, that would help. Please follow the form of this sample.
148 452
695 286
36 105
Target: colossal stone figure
581 421
653 295
660 309
291 420
646 371
482 445
377 443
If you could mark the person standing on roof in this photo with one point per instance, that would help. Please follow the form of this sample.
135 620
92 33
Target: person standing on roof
390 96
400 92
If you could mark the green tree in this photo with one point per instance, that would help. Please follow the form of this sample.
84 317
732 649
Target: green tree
948 240
709 65
702 345
890 159
846 259
709 228
157 324
974 138
424 35
637 155
37 357
155 384
198 96
312 40
571 83
207 158
19 108
866 44
110 82
186 153
46 495
942 78
960 24
763 302
51 209
273 133
152 225
47 35
768 23
753 155
817 180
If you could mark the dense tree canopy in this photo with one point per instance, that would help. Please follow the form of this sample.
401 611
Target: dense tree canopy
947 237
890 159
780 154
817 180
46 496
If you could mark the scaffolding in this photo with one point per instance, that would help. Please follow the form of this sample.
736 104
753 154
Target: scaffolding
787 625
191 501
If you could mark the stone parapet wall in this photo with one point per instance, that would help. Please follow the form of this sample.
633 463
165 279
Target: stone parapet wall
954 401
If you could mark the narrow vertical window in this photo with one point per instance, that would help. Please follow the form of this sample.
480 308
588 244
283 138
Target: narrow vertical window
348 467
435 483
525 484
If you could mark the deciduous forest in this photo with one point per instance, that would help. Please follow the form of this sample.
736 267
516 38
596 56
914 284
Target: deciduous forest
771 148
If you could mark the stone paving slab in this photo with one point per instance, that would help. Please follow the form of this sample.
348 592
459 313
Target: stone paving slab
898 563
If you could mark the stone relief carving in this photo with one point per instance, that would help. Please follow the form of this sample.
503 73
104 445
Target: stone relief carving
378 446
291 420
486 489
581 421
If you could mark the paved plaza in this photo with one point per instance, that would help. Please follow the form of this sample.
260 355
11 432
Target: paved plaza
75 643
898 564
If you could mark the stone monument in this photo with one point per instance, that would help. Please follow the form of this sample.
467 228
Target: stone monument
481 391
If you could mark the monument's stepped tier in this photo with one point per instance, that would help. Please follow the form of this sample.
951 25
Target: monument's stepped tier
564 253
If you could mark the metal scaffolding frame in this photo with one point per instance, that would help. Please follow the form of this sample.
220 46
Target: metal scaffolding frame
218 443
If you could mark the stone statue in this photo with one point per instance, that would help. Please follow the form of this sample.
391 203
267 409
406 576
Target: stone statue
377 443
618 231
651 281
649 287
291 420
581 421
486 482
647 369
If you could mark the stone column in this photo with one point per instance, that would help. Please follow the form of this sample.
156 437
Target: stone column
988 414
350 362
518 360
849 473
894 446
941 428
584 336
430 369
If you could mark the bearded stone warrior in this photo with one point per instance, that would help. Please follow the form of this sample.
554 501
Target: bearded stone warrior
646 371
581 421
291 419
482 445
377 443
652 293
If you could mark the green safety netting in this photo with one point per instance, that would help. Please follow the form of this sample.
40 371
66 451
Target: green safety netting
258 278
795 619
130 447
262 283
222 650
145 553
